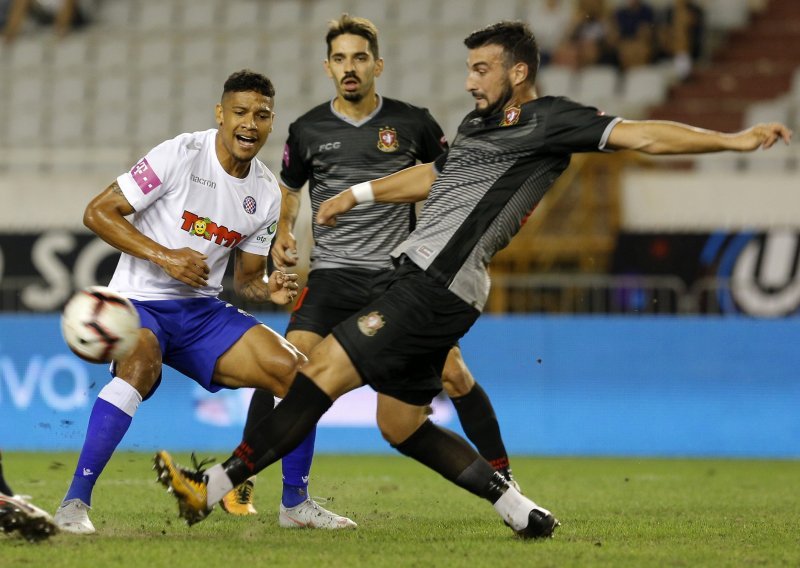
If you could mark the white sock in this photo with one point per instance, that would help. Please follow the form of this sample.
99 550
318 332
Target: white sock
217 485
513 507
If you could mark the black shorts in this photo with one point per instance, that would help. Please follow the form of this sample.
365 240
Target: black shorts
332 295
399 342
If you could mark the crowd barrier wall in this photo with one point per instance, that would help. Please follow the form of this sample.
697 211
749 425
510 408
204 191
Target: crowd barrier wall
611 386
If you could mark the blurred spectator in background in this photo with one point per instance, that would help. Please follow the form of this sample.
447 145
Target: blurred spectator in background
62 14
551 19
681 33
632 34
586 40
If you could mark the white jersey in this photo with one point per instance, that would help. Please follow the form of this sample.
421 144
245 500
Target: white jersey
183 198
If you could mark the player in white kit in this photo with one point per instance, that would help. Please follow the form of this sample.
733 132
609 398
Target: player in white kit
192 200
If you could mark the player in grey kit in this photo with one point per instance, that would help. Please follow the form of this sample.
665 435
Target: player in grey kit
507 153
357 136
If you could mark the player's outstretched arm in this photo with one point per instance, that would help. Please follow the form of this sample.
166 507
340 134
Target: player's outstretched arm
105 216
406 186
665 137
251 283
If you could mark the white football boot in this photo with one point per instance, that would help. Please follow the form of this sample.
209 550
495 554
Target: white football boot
73 517
309 515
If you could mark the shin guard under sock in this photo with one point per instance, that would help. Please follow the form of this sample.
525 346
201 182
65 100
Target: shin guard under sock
296 466
261 404
280 431
111 417
479 422
452 457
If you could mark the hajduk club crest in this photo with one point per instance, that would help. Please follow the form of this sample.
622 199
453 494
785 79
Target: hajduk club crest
387 139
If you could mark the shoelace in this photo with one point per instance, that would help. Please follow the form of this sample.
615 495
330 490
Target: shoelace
197 474
244 493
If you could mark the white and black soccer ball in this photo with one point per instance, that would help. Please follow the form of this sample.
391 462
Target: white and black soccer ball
99 325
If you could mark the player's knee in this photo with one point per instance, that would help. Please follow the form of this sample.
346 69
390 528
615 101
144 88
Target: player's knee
142 368
457 381
283 368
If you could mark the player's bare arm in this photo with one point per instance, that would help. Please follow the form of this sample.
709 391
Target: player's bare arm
406 186
284 247
250 281
665 137
105 216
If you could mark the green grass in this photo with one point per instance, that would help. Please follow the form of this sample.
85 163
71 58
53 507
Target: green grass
614 512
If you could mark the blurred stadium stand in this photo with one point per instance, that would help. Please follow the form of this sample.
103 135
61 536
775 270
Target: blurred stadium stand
80 109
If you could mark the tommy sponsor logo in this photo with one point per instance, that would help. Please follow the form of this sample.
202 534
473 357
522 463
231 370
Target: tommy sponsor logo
329 146
145 177
205 182
387 139
511 116
208 229
371 323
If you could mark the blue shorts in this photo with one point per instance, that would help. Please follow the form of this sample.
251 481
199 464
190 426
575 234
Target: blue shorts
193 334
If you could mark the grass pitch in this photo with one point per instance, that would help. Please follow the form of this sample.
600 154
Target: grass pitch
614 512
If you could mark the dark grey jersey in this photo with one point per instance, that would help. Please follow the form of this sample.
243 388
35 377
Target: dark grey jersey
495 173
332 153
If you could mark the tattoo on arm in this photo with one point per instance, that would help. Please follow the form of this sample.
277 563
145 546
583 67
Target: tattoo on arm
116 189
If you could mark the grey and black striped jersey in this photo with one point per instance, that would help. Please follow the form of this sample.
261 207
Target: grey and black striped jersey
331 153
496 171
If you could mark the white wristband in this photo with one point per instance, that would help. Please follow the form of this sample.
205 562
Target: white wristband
362 192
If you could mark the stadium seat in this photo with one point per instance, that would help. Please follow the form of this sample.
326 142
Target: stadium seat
284 15
412 14
461 16
154 124
155 52
198 51
240 15
70 55
67 125
27 52
596 85
718 163
322 11
779 158
67 88
490 12
157 88
238 52
726 14
114 87
198 14
115 13
377 12
778 110
115 54
155 16
556 81
191 118
641 88
28 91
109 125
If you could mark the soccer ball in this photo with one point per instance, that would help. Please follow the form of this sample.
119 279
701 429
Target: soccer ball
99 325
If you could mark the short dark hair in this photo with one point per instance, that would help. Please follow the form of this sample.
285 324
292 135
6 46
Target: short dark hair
517 41
247 80
347 24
